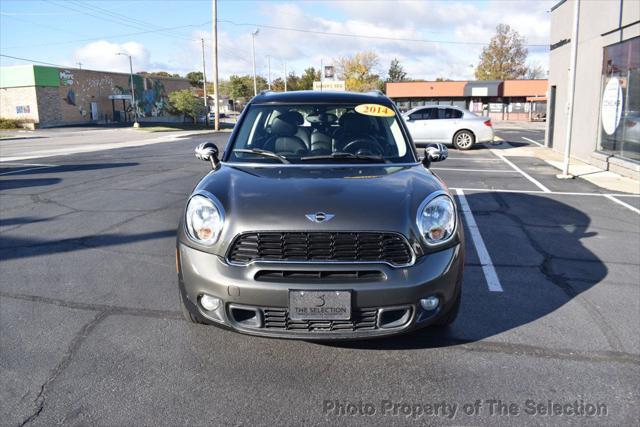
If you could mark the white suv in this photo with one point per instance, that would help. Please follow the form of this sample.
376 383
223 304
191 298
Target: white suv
451 125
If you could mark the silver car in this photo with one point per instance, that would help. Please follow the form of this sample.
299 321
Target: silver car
449 125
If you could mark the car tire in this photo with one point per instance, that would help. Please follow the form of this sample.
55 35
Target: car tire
186 307
448 317
464 140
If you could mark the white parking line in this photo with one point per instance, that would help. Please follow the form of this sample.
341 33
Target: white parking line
478 159
531 140
621 203
523 173
485 260
474 170
561 193
28 169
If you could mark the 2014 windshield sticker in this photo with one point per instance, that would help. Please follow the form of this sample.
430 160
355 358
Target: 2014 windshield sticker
375 110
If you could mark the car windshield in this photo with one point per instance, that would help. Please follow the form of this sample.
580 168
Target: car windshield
331 133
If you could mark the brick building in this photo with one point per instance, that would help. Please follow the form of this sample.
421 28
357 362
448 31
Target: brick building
50 96
499 99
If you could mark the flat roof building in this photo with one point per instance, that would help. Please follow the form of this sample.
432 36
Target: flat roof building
52 96
498 99
605 127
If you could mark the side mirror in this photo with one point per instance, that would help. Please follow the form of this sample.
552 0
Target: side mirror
434 153
208 151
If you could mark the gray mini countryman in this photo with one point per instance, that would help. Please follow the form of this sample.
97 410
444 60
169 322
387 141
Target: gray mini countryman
320 221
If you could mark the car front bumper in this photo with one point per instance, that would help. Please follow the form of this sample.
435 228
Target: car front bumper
391 292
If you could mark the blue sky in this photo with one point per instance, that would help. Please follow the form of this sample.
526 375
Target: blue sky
439 38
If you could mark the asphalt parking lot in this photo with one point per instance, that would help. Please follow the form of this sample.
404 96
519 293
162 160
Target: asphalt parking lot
91 332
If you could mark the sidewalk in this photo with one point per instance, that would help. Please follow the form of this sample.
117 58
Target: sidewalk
579 169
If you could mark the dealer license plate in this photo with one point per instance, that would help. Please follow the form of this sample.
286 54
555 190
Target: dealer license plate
320 305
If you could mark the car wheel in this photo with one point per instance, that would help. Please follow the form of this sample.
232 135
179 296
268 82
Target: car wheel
186 307
449 316
463 140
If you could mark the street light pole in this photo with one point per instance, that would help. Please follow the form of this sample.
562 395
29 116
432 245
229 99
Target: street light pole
133 93
269 62
571 89
204 87
253 51
285 76
216 95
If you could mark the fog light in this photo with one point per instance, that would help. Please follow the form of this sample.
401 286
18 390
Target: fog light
430 304
209 303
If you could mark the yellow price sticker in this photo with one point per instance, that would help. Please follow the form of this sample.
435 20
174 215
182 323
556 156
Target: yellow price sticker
375 110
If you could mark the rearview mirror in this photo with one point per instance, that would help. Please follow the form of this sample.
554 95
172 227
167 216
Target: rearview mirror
208 151
434 153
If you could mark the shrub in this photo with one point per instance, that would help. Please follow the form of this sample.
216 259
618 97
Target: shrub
9 124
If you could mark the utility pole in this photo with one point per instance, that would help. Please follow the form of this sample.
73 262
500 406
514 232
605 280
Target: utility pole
269 62
571 89
204 86
253 51
285 76
216 96
79 65
321 72
133 92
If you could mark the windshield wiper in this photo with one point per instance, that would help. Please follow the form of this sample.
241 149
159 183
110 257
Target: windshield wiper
345 155
263 153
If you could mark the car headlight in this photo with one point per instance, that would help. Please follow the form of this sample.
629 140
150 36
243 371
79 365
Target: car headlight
204 220
437 219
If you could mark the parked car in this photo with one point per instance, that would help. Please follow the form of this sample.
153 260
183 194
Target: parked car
449 125
211 118
319 221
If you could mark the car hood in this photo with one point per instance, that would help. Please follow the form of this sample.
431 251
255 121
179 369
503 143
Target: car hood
360 198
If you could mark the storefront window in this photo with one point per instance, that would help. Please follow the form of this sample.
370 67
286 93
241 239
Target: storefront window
620 101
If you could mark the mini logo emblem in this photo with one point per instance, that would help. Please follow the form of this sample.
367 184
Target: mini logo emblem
319 217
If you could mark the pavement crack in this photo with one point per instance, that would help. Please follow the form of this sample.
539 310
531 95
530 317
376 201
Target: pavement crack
75 344
109 309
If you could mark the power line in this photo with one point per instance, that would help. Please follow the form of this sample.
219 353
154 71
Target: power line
34 61
128 20
106 37
362 36
102 14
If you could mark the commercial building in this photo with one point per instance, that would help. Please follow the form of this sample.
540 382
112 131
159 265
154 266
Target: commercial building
51 96
499 99
605 122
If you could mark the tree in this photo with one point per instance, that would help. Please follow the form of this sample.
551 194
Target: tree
309 76
183 101
158 74
442 79
241 87
535 71
359 72
504 57
277 84
196 78
396 72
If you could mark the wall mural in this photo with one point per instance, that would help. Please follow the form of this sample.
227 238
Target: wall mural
151 96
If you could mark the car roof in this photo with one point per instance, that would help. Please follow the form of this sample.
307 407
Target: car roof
454 107
317 97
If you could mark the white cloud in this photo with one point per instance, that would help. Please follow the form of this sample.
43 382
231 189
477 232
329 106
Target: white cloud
103 55
456 21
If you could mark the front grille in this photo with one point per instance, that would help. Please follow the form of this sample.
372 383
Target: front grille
320 276
317 246
278 319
